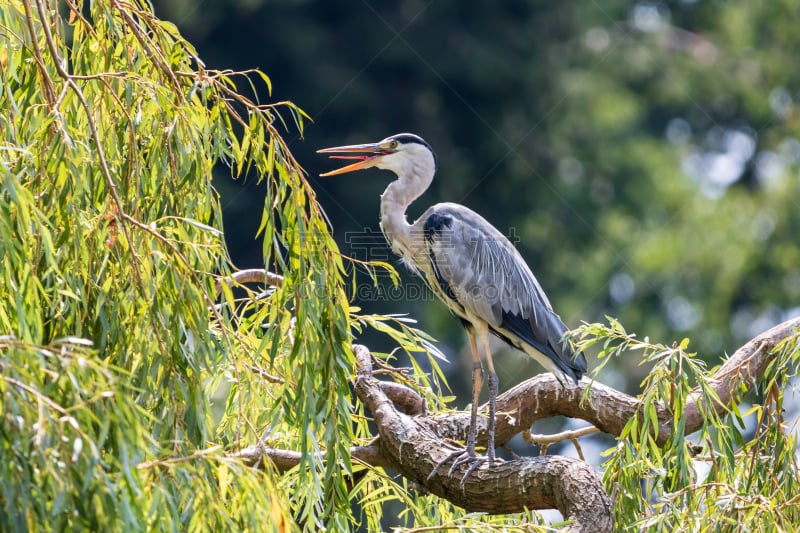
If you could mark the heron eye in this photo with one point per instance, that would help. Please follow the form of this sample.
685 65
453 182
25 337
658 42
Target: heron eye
393 144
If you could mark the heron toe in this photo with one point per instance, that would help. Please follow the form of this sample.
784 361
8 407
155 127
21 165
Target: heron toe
460 457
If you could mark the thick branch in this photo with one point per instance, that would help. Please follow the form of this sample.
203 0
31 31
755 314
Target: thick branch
414 448
741 370
407 399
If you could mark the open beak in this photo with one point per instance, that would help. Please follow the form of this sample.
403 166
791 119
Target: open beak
367 155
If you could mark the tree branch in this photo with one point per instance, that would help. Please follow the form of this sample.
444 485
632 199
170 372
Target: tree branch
544 440
414 445
608 409
407 399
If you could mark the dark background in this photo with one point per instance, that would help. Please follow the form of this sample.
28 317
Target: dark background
645 154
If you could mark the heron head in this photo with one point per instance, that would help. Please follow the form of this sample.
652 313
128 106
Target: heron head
399 153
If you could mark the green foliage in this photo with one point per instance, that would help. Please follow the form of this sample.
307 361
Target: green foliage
62 457
111 242
718 478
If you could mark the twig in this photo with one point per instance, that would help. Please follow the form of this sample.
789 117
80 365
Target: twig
266 375
176 460
49 90
546 440
533 438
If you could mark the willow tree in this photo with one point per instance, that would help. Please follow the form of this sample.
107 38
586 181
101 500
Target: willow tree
116 327
122 318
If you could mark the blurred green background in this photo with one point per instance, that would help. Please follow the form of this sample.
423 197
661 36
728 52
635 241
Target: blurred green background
644 155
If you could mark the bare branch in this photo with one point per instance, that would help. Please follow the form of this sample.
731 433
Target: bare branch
284 460
546 440
532 438
740 371
407 399
608 409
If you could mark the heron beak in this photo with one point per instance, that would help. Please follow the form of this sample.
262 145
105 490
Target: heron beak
366 155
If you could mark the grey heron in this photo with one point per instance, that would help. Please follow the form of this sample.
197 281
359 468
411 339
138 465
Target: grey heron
471 267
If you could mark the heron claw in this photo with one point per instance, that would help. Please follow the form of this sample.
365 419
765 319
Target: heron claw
476 462
464 457
452 455
460 457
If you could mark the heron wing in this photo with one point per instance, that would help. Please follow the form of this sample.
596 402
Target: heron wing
478 272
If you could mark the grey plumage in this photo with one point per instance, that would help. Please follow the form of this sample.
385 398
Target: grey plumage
476 270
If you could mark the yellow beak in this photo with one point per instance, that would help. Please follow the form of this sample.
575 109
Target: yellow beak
373 151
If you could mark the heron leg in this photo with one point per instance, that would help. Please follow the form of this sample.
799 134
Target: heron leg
477 385
461 456
493 388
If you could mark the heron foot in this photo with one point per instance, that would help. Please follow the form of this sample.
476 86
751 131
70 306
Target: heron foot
453 455
460 457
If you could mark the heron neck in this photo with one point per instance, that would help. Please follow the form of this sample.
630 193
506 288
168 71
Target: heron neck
394 202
